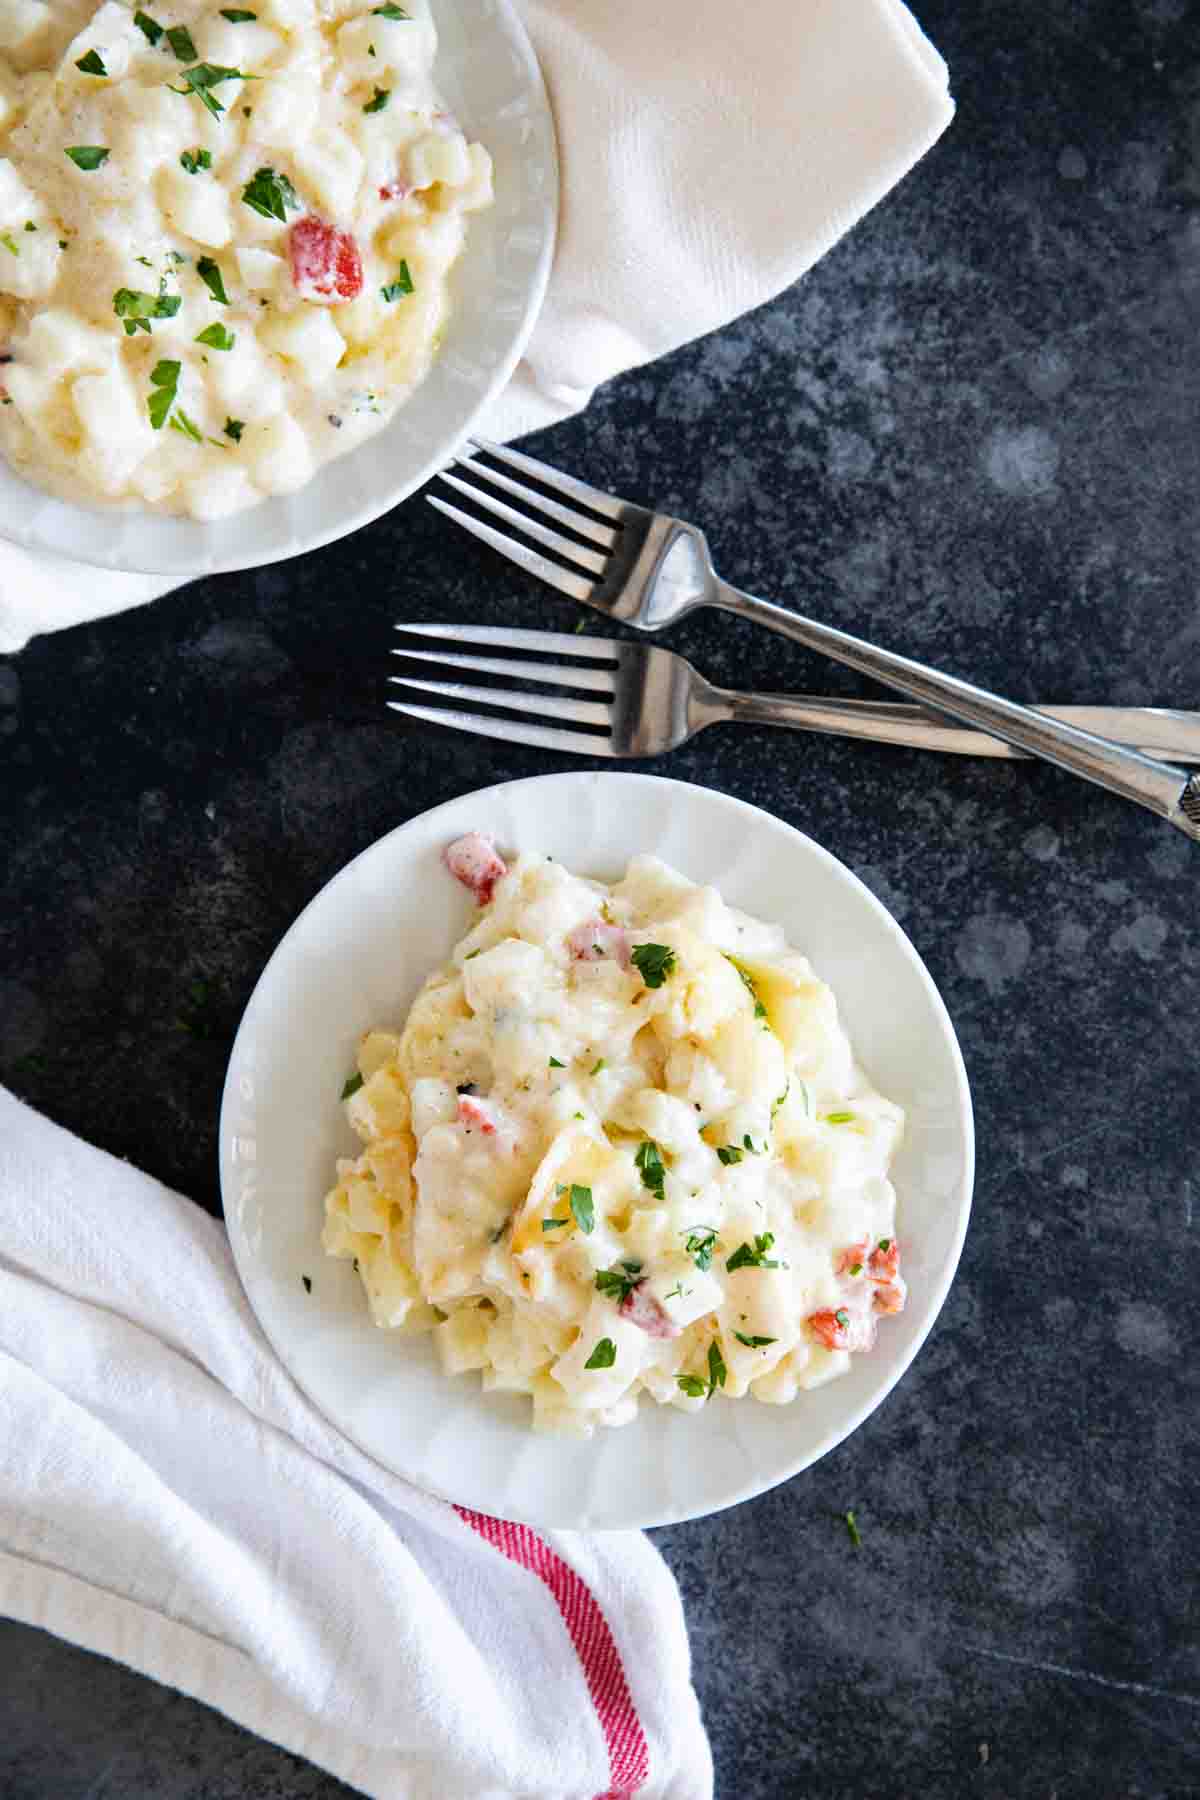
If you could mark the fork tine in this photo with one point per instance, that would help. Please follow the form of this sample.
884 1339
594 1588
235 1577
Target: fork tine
516 637
542 737
604 535
575 712
577 587
553 674
596 498
542 534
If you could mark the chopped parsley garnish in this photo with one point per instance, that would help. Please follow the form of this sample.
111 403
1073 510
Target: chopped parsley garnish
600 1065
692 1384
180 40
856 1268
378 101
87 156
236 16
760 1011
650 1167
552 1224
29 225
555 1064
210 274
234 429
271 195
580 1199
217 337
885 1243
803 1086
842 1317
186 427
839 1118
9 242
852 1529
753 1343
620 1282
402 285
136 308
307 1280
91 64
754 1256
603 1356
151 29
389 12
729 1153
677 1292
653 962
353 1083
200 80
194 160
164 382
699 1246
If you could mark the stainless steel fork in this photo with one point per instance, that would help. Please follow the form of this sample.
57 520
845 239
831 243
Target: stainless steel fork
650 569
643 701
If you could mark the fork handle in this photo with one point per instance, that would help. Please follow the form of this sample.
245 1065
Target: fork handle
1160 787
1148 728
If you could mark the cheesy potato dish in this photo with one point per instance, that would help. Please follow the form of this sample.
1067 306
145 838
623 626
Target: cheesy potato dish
620 1146
225 239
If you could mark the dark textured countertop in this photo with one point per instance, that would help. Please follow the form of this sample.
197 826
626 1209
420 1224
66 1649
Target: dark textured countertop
972 431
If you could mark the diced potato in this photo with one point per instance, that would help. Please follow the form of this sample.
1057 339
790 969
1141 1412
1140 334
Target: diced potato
310 341
218 492
477 190
29 263
17 203
249 45
461 1341
195 205
259 268
435 157
279 454
24 27
331 167
57 340
244 383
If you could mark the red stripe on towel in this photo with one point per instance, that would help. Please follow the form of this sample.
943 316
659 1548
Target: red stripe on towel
628 1753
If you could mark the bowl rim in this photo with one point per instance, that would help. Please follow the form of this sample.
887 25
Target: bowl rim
964 1118
176 568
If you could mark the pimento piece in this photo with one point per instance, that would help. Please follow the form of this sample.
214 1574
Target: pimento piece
595 941
833 1328
395 190
885 1260
477 1115
326 265
851 1261
891 1297
474 861
642 1309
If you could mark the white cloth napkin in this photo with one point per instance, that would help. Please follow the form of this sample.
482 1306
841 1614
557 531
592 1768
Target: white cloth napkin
170 1499
711 152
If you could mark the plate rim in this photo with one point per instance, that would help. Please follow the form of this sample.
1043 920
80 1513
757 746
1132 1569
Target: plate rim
964 1114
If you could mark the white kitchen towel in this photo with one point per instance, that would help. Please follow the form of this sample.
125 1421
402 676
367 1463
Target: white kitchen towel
709 154
169 1498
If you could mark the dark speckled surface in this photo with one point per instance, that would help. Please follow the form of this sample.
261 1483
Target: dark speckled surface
972 431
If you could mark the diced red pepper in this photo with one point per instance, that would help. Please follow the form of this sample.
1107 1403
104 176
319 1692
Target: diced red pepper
326 265
890 1296
594 941
885 1260
476 1115
395 190
641 1308
474 861
833 1329
852 1258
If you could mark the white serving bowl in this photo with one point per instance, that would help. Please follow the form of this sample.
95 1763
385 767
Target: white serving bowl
489 77
355 958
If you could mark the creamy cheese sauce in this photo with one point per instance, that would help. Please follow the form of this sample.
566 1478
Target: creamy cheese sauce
621 1146
206 294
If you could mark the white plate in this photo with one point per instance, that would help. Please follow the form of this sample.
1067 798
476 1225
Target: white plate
489 77
356 957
